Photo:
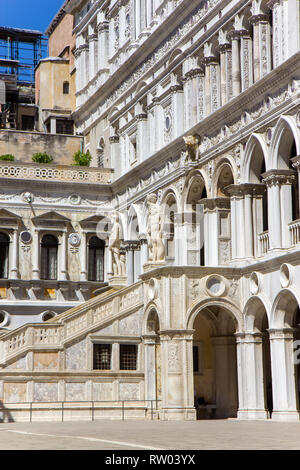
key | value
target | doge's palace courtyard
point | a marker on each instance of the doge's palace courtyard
(151, 436)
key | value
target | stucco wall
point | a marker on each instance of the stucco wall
(24, 144)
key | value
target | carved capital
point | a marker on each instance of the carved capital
(278, 177)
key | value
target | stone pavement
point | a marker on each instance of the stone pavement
(150, 435)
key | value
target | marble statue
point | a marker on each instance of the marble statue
(156, 246)
(114, 245)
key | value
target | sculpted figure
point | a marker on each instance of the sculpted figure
(154, 230)
(114, 245)
(123, 263)
(192, 143)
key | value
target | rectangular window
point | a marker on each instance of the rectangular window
(128, 356)
(102, 356)
(64, 127)
(195, 359)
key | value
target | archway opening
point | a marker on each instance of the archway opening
(225, 179)
(215, 364)
(169, 228)
(267, 372)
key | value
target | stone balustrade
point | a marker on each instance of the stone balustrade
(294, 228)
(263, 239)
(71, 323)
(62, 173)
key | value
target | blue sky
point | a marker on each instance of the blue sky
(28, 14)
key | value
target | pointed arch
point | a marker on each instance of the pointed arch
(222, 171)
(250, 166)
(285, 133)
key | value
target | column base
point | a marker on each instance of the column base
(153, 265)
(118, 281)
(285, 416)
(178, 414)
(253, 414)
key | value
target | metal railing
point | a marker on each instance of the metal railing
(92, 406)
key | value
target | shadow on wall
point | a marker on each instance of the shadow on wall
(5, 415)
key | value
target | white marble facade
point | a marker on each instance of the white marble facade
(198, 103)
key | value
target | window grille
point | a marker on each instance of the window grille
(102, 356)
(128, 356)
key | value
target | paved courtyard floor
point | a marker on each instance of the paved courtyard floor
(151, 435)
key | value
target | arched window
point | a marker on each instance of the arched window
(4, 244)
(49, 247)
(66, 88)
(96, 259)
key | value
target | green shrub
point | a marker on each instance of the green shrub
(42, 158)
(82, 159)
(7, 157)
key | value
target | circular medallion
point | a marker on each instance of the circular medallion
(74, 199)
(74, 239)
(215, 286)
(286, 275)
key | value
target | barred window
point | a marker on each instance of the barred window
(102, 356)
(128, 356)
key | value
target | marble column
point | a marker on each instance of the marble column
(193, 80)
(177, 110)
(226, 72)
(236, 63)
(251, 376)
(103, 38)
(36, 256)
(246, 60)
(114, 156)
(142, 137)
(63, 257)
(93, 46)
(261, 45)
(283, 375)
(279, 185)
(14, 272)
(83, 258)
(212, 84)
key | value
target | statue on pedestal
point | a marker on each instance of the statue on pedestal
(154, 230)
(114, 245)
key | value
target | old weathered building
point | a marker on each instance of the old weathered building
(194, 105)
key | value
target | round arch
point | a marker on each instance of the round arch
(195, 177)
(284, 308)
(152, 306)
(255, 309)
(226, 304)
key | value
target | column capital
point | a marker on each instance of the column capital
(281, 333)
(193, 73)
(215, 203)
(92, 37)
(296, 162)
(249, 337)
(246, 189)
(103, 26)
(174, 334)
(226, 46)
(114, 139)
(259, 18)
(278, 177)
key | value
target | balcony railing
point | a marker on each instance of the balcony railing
(263, 239)
(294, 228)
(33, 171)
